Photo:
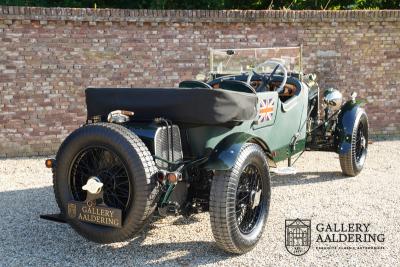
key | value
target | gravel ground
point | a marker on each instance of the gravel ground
(318, 192)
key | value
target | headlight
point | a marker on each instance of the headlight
(333, 98)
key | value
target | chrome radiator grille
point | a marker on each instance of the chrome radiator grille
(168, 145)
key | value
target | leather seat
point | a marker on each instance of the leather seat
(237, 86)
(194, 84)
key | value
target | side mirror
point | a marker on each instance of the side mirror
(312, 77)
(353, 96)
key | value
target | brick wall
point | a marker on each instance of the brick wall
(48, 57)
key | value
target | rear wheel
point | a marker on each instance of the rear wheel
(118, 159)
(353, 161)
(239, 201)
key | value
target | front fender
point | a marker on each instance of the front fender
(225, 153)
(348, 118)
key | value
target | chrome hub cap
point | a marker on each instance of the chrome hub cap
(93, 185)
(255, 198)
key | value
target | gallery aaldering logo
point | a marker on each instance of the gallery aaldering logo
(71, 210)
(337, 236)
(297, 236)
(353, 235)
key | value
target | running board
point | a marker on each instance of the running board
(284, 170)
(54, 217)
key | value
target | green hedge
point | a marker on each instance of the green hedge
(213, 4)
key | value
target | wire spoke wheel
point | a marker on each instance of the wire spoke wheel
(104, 164)
(239, 201)
(353, 160)
(360, 143)
(247, 211)
(116, 157)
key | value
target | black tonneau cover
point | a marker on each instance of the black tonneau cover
(180, 105)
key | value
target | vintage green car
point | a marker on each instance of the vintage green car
(208, 145)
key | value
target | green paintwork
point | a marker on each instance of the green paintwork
(165, 199)
(222, 143)
(274, 135)
(224, 155)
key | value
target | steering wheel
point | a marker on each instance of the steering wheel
(267, 78)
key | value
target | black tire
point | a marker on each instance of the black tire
(353, 161)
(138, 167)
(230, 232)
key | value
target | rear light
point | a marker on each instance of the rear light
(172, 177)
(49, 163)
(160, 176)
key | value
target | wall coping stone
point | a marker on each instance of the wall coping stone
(218, 16)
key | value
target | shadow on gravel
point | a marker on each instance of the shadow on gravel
(185, 220)
(28, 240)
(302, 178)
(194, 252)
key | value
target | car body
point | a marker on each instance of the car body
(191, 149)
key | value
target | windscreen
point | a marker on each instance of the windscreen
(237, 61)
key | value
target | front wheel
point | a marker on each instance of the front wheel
(239, 201)
(353, 161)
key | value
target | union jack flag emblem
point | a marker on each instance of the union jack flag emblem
(266, 110)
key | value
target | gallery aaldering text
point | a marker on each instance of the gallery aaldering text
(347, 232)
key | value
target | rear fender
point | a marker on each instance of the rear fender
(348, 118)
(224, 155)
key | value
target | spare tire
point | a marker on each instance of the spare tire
(124, 165)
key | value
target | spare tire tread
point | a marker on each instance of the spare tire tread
(141, 165)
